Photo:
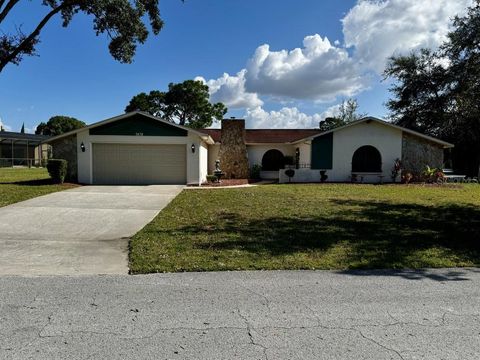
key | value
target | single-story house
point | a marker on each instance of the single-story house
(137, 148)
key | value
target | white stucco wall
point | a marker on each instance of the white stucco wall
(84, 158)
(256, 152)
(305, 153)
(386, 139)
(301, 175)
(195, 169)
(203, 162)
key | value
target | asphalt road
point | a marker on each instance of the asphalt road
(432, 314)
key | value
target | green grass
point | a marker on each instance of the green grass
(18, 184)
(313, 227)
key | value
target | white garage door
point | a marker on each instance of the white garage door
(139, 164)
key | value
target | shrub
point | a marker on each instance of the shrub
(407, 177)
(255, 171)
(57, 169)
(212, 178)
(432, 175)
(439, 176)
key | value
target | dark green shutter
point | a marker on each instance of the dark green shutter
(322, 152)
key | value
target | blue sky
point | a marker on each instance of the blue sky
(274, 86)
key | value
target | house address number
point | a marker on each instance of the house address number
(139, 134)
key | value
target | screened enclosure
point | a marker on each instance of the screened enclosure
(17, 149)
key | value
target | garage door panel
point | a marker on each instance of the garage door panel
(139, 164)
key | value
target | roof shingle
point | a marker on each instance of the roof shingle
(267, 136)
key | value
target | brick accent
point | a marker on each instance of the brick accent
(417, 153)
(233, 150)
(66, 148)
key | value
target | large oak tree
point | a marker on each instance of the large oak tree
(58, 125)
(121, 20)
(186, 103)
(439, 92)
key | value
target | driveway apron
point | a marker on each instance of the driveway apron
(78, 231)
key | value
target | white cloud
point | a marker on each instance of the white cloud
(319, 71)
(5, 126)
(230, 90)
(378, 29)
(332, 111)
(285, 118)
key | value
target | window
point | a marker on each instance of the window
(367, 159)
(273, 160)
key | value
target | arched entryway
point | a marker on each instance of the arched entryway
(273, 160)
(367, 159)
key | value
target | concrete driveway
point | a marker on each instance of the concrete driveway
(79, 231)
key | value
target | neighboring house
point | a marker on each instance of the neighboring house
(137, 148)
(20, 149)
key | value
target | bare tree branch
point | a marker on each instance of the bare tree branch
(7, 8)
(25, 43)
(122, 20)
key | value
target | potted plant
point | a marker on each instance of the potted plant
(323, 176)
(290, 173)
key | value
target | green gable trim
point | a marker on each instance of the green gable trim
(322, 152)
(138, 125)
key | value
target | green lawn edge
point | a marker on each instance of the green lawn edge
(20, 184)
(324, 226)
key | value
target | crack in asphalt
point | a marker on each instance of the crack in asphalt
(250, 327)
(49, 322)
(354, 328)
(398, 353)
(264, 297)
(253, 331)
(250, 335)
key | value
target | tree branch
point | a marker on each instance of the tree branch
(24, 44)
(7, 8)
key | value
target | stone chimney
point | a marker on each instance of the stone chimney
(233, 150)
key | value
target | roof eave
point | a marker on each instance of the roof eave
(446, 145)
(207, 138)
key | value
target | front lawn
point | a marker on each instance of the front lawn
(18, 184)
(337, 226)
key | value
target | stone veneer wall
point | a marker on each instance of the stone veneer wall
(66, 148)
(233, 150)
(417, 153)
